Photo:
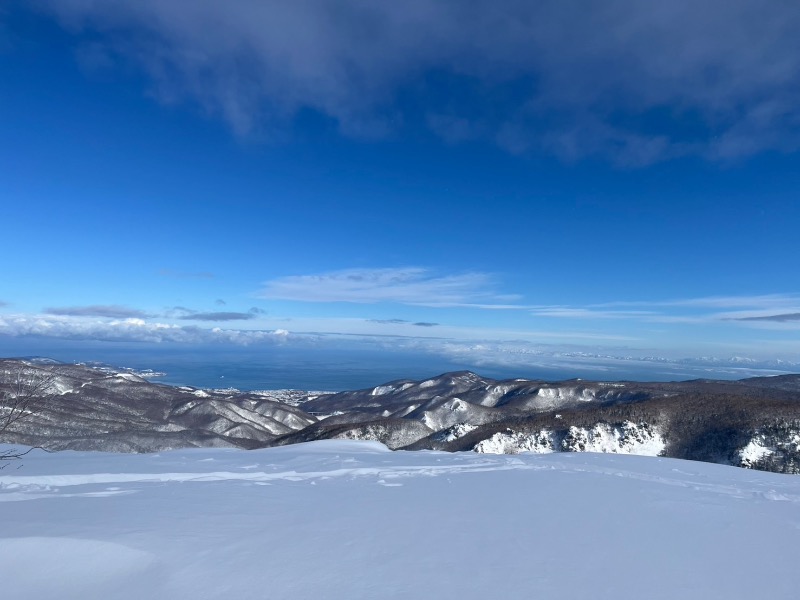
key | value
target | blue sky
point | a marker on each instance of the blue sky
(616, 178)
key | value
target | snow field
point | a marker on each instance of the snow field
(342, 519)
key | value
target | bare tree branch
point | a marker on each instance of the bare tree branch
(27, 391)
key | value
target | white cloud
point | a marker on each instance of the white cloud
(127, 330)
(523, 348)
(410, 285)
(635, 82)
(304, 330)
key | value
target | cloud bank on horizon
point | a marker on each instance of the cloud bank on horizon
(672, 326)
(631, 82)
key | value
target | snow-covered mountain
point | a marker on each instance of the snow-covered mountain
(351, 520)
(753, 423)
(97, 408)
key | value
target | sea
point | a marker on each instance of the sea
(325, 369)
(259, 369)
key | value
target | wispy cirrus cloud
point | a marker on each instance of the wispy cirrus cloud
(558, 77)
(568, 312)
(112, 311)
(767, 308)
(411, 285)
(758, 302)
(761, 301)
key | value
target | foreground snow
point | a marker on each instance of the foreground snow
(339, 519)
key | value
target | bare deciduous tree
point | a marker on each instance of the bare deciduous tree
(24, 392)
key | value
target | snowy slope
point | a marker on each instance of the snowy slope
(341, 519)
(625, 438)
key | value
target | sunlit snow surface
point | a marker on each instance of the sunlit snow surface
(340, 519)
